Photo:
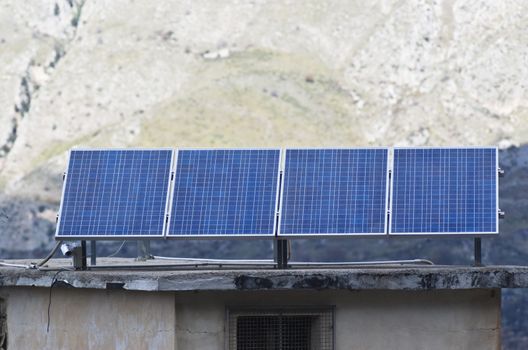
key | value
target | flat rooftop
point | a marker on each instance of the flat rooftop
(156, 275)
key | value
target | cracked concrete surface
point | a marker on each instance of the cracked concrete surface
(448, 319)
(178, 279)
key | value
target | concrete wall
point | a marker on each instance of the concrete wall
(90, 319)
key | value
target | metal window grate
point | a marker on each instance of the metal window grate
(281, 329)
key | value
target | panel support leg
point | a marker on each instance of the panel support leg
(478, 252)
(143, 250)
(281, 253)
(93, 253)
(79, 257)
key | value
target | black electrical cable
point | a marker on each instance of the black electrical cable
(50, 255)
(53, 281)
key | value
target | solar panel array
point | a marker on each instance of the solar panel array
(334, 192)
(233, 193)
(444, 190)
(225, 192)
(115, 193)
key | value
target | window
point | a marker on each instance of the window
(281, 329)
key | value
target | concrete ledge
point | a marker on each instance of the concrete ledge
(358, 278)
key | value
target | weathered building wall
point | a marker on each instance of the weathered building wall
(90, 319)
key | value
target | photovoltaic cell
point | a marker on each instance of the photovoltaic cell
(334, 192)
(115, 193)
(225, 193)
(444, 190)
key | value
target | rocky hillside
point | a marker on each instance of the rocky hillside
(256, 73)
(246, 73)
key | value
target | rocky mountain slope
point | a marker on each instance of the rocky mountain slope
(87, 73)
(247, 73)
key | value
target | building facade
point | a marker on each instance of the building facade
(361, 308)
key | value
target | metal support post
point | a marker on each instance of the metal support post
(143, 250)
(280, 245)
(478, 252)
(281, 253)
(84, 264)
(93, 253)
(79, 257)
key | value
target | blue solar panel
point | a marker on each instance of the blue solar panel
(225, 193)
(334, 192)
(444, 191)
(115, 193)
